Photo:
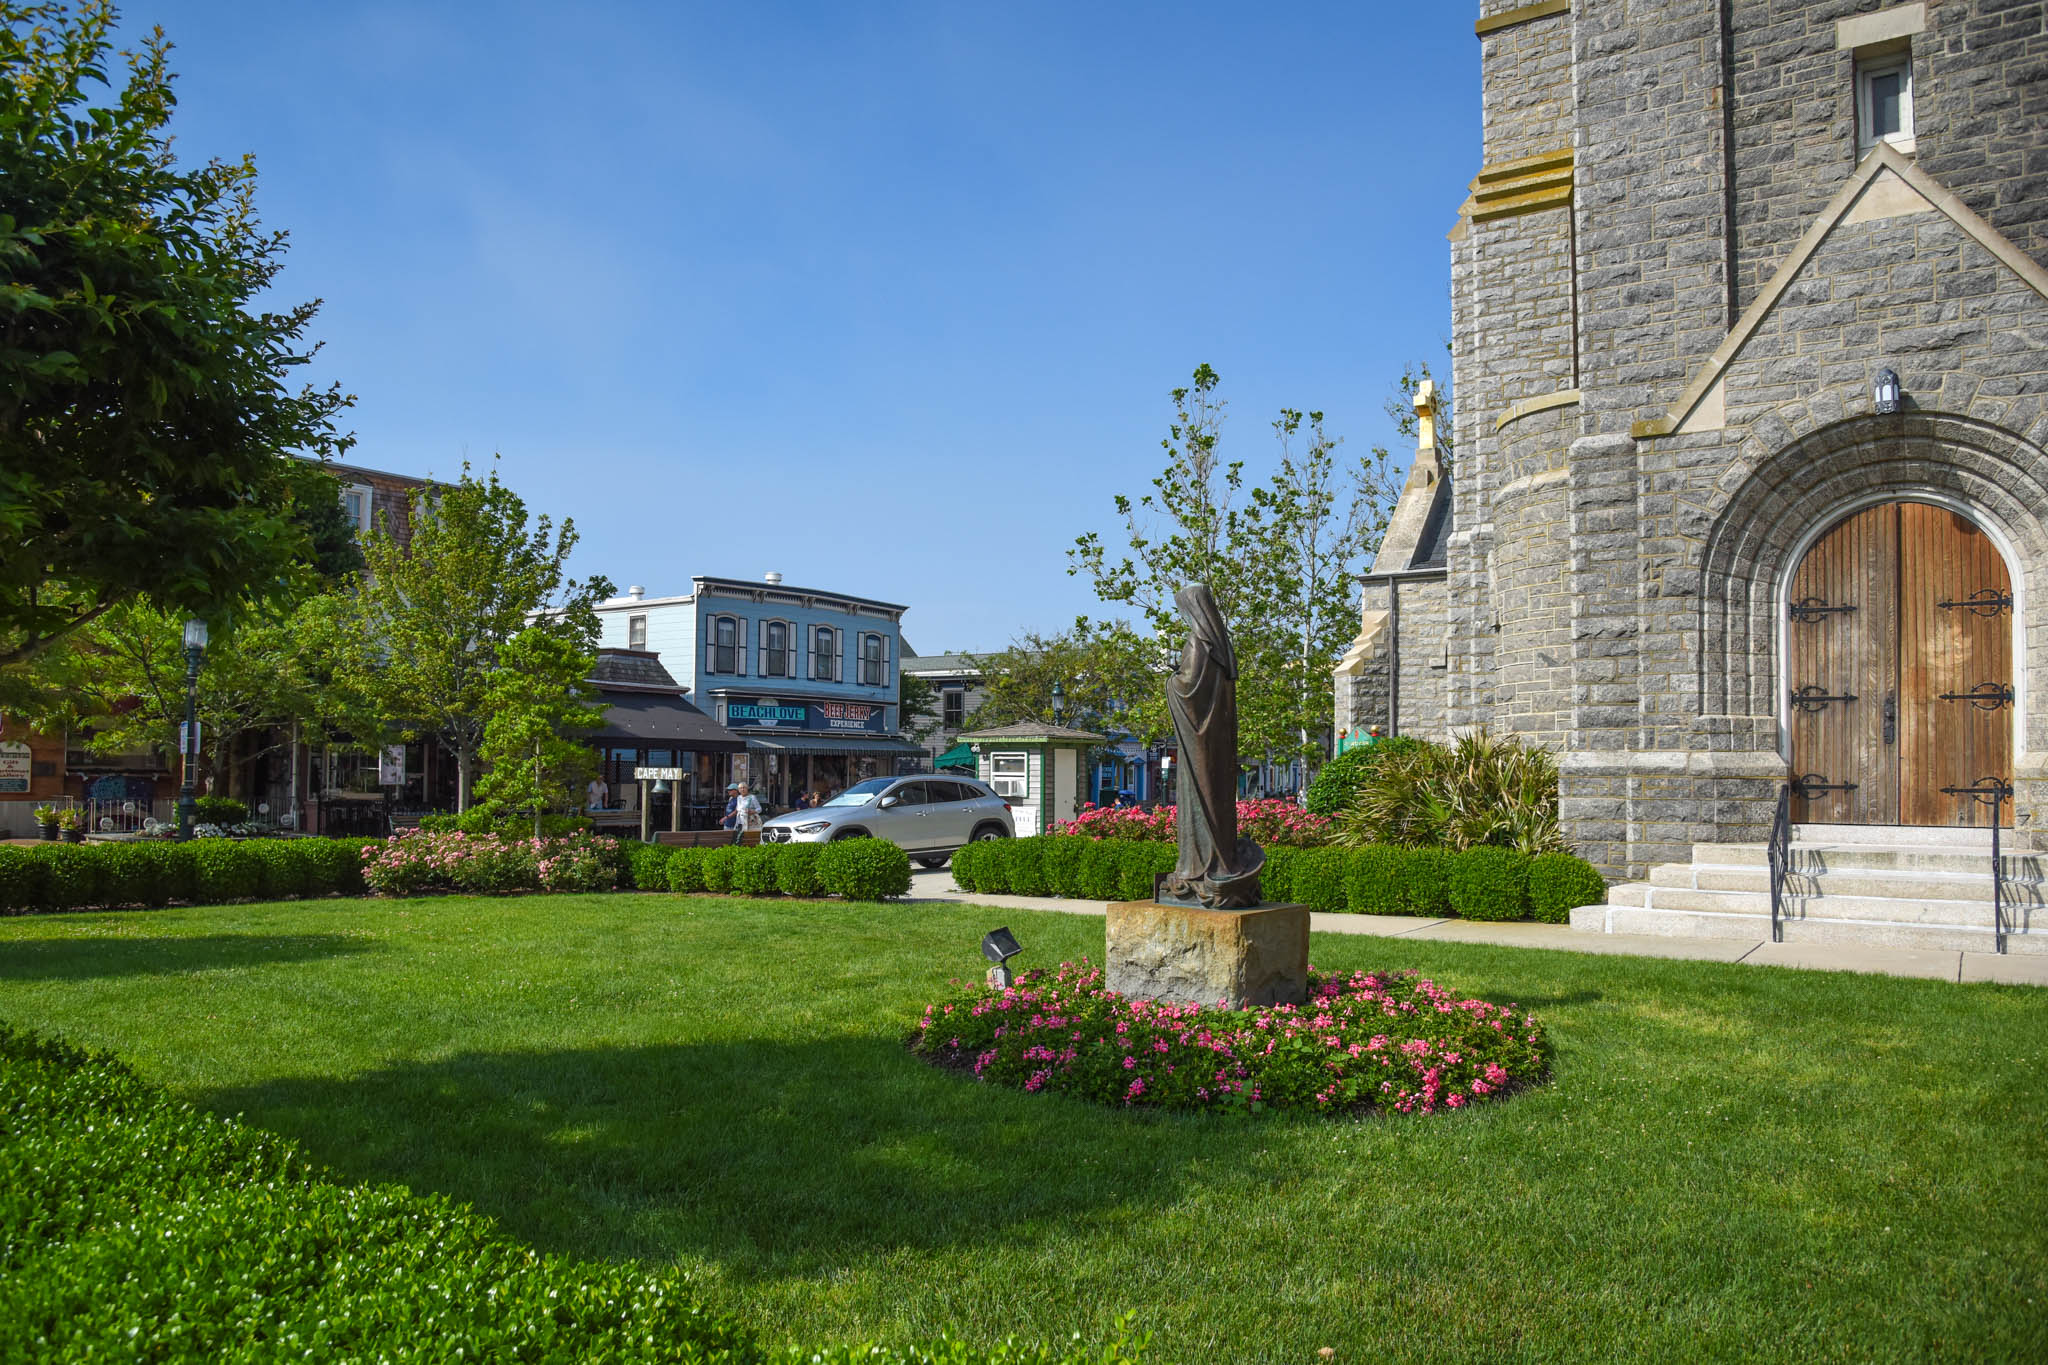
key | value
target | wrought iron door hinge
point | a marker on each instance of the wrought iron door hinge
(1985, 696)
(1891, 717)
(1808, 610)
(1992, 791)
(1808, 785)
(1983, 602)
(1814, 697)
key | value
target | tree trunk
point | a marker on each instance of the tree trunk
(465, 767)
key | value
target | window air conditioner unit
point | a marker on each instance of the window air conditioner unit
(1008, 786)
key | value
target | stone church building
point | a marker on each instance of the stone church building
(1747, 487)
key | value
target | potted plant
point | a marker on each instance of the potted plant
(46, 818)
(72, 821)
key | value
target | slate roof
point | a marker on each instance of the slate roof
(633, 669)
(644, 705)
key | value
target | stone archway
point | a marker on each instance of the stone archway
(1777, 504)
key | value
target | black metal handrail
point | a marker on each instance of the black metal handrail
(1994, 791)
(1998, 926)
(1779, 854)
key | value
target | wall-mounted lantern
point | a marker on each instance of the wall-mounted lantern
(1885, 392)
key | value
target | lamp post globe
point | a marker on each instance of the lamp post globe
(188, 738)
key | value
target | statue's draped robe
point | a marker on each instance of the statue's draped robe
(1215, 868)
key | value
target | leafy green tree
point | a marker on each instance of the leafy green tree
(917, 703)
(122, 681)
(1281, 558)
(1316, 522)
(540, 702)
(434, 616)
(1108, 674)
(145, 418)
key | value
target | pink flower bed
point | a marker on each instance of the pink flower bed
(1369, 1041)
(1270, 823)
(418, 861)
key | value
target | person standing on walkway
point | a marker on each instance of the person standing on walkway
(746, 812)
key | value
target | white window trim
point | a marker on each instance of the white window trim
(739, 646)
(369, 513)
(835, 655)
(880, 660)
(1870, 65)
(638, 620)
(789, 649)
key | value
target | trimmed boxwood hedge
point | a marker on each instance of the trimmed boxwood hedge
(864, 869)
(149, 873)
(796, 869)
(753, 871)
(1560, 883)
(647, 866)
(686, 869)
(1483, 883)
(1490, 884)
(122, 1209)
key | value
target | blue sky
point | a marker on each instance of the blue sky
(885, 297)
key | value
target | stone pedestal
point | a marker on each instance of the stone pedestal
(1191, 956)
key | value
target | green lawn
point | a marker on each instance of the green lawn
(1731, 1161)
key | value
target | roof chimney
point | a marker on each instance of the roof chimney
(773, 577)
(636, 592)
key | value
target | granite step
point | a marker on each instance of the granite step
(2023, 865)
(1849, 882)
(1741, 922)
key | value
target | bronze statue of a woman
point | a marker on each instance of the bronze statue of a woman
(1216, 869)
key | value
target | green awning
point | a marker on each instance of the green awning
(959, 756)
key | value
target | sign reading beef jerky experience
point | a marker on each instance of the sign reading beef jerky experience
(855, 717)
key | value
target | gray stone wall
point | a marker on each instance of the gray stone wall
(1652, 219)
(1525, 91)
(1980, 114)
(1363, 696)
(1617, 596)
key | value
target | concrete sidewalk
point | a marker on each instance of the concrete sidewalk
(2023, 970)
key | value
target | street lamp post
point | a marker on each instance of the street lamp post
(188, 739)
(1059, 703)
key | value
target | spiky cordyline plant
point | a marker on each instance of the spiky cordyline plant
(1480, 790)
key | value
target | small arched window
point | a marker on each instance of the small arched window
(825, 655)
(872, 670)
(775, 650)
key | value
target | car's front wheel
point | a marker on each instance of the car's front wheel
(849, 834)
(990, 832)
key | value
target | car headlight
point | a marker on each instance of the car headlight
(813, 827)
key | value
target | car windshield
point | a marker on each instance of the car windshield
(860, 793)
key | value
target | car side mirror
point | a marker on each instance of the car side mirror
(889, 801)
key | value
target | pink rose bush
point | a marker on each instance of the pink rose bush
(417, 862)
(1271, 823)
(1391, 1041)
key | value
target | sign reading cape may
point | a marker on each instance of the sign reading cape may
(767, 712)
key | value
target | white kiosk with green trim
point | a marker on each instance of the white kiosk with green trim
(1036, 767)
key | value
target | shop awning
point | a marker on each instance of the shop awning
(833, 744)
(960, 756)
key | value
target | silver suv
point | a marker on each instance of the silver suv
(928, 817)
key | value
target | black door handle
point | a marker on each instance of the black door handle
(1891, 717)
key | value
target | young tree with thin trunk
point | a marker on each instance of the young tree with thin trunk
(541, 704)
(434, 616)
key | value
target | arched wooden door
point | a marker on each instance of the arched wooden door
(1900, 680)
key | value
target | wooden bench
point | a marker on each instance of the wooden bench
(703, 838)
